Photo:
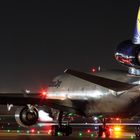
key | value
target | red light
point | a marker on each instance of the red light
(32, 130)
(110, 129)
(49, 131)
(88, 130)
(124, 60)
(44, 93)
(93, 70)
(117, 119)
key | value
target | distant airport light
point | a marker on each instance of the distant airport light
(32, 130)
(18, 131)
(80, 134)
(117, 119)
(93, 70)
(49, 131)
(27, 91)
(95, 118)
(58, 134)
(88, 130)
(92, 135)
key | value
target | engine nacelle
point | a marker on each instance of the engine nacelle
(26, 116)
(128, 54)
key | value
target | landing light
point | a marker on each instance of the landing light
(117, 128)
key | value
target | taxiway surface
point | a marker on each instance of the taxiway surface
(13, 136)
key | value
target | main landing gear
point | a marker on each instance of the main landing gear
(66, 130)
(103, 129)
(137, 132)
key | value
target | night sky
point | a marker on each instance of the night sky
(40, 39)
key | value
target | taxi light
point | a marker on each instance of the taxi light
(117, 128)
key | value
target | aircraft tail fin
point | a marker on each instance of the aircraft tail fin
(136, 37)
(104, 82)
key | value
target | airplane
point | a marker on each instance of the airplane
(106, 93)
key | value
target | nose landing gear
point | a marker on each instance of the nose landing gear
(137, 132)
(66, 130)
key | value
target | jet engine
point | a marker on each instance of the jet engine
(26, 116)
(128, 54)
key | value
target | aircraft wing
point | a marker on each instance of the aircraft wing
(22, 99)
(104, 82)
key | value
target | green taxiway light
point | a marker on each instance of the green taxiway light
(18, 131)
(8, 130)
(80, 134)
(92, 135)
(58, 133)
(70, 114)
(100, 116)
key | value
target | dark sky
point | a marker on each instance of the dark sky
(40, 39)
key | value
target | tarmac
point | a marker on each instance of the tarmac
(14, 136)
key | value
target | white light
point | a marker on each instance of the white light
(95, 118)
(43, 116)
(27, 91)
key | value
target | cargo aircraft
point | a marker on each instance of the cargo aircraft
(112, 93)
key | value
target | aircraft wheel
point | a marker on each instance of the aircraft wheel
(107, 132)
(55, 130)
(100, 133)
(67, 130)
(137, 132)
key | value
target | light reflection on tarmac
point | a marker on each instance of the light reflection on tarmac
(15, 136)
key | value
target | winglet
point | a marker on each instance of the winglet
(104, 82)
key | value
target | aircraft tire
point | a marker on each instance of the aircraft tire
(100, 133)
(137, 132)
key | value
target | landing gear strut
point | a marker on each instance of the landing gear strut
(137, 131)
(103, 129)
(66, 130)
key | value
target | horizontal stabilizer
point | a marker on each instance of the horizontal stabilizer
(104, 82)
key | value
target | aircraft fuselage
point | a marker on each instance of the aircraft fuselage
(94, 99)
